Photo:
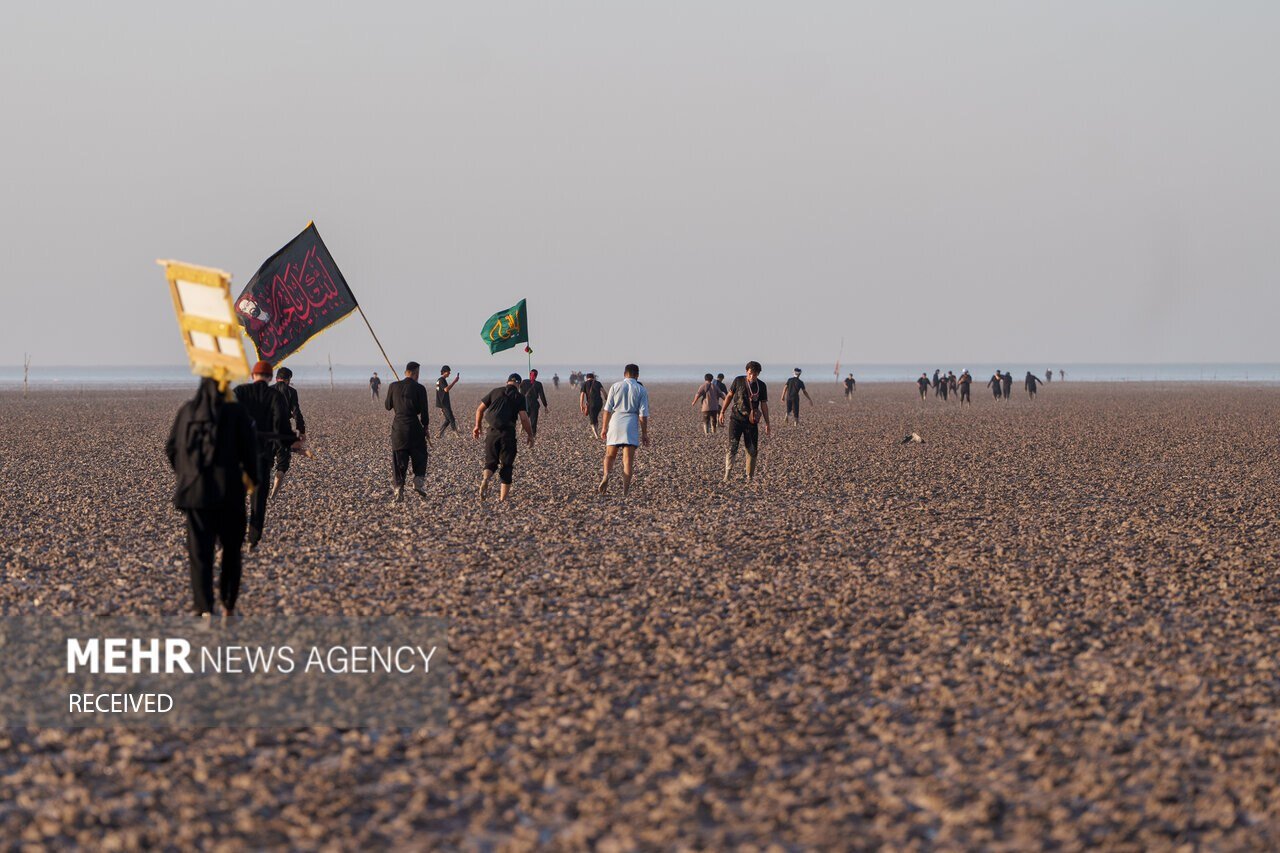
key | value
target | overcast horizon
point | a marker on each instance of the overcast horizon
(672, 184)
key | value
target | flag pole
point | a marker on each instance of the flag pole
(378, 342)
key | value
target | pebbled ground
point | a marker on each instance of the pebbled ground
(1050, 625)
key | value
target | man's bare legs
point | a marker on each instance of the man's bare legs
(611, 453)
(485, 480)
(628, 466)
(628, 462)
(730, 455)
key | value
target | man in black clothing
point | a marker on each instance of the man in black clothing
(724, 389)
(443, 401)
(1006, 385)
(555, 380)
(791, 396)
(591, 401)
(923, 384)
(994, 384)
(849, 384)
(501, 408)
(1031, 383)
(408, 399)
(374, 384)
(535, 398)
(213, 451)
(747, 403)
(269, 411)
(964, 382)
(284, 384)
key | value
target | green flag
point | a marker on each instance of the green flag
(506, 328)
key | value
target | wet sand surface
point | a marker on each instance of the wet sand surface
(1052, 624)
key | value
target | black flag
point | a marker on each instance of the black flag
(297, 293)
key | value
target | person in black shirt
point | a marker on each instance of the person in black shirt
(443, 402)
(994, 384)
(747, 403)
(724, 389)
(555, 381)
(213, 450)
(791, 396)
(284, 384)
(535, 398)
(849, 384)
(963, 383)
(1006, 385)
(923, 384)
(408, 399)
(374, 384)
(591, 401)
(501, 408)
(1031, 383)
(269, 411)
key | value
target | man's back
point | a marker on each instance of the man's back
(209, 456)
(503, 406)
(291, 401)
(628, 397)
(268, 409)
(407, 398)
(711, 396)
(595, 393)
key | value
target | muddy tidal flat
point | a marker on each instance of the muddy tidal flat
(1052, 624)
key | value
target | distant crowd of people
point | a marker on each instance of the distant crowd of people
(950, 386)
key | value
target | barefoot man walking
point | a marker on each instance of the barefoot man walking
(626, 425)
(502, 408)
(747, 405)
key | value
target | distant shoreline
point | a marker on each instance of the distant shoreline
(313, 375)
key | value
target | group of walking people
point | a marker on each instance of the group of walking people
(949, 385)
(516, 404)
(227, 447)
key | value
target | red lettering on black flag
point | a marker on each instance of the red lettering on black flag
(297, 293)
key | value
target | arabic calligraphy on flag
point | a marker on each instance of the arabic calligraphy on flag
(297, 293)
(507, 328)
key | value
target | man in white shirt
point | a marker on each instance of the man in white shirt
(626, 425)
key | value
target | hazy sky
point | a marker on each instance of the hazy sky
(685, 182)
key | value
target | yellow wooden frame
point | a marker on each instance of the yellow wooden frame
(220, 366)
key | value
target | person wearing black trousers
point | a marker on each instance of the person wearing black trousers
(269, 411)
(443, 401)
(535, 398)
(213, 450)
(408, 399)
(284, 384)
